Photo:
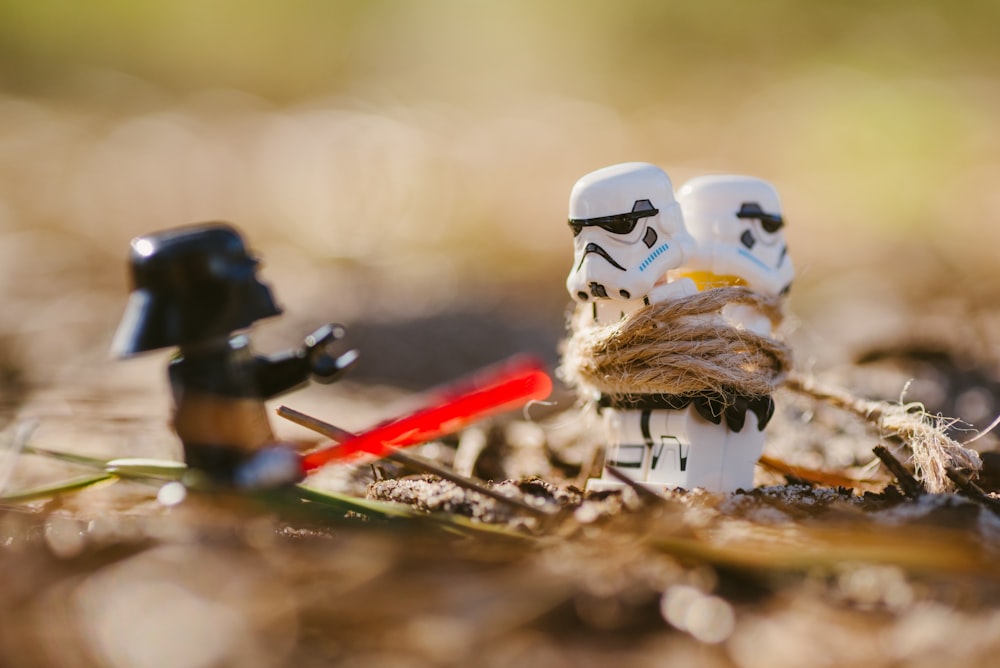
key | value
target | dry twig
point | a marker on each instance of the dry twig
(909, 485)
(419, 463)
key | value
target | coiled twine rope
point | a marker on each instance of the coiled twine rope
(685, 347)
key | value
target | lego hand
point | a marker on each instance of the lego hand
(325, 367)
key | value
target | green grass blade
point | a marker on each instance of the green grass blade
(457, 524)
(82, 460)
(49, 491)
(132, 467)
(123, 467)
(366, 507)
(467, 526)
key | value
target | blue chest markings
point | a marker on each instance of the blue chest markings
(657, 252)
(753, 259)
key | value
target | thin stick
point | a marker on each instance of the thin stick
(589, 465)
(910, 486)
(317, 425)
(813, 476)
(340, 435)
(643, 492)
(972, 490)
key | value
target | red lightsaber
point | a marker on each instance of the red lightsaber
(493, 390)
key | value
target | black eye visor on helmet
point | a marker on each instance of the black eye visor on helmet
(621, 223)
(771, 222)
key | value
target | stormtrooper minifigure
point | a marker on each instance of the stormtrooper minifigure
(632, 248)
(628, 236)
(738, 225)
(194, 287)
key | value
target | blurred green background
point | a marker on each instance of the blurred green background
(403, 167)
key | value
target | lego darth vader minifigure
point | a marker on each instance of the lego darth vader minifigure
(196, 288)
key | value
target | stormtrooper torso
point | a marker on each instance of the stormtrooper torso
(610, 311)
(666, 441)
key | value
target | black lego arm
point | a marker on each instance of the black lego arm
(284, 371)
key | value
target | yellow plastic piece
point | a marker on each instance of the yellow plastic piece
(706, 280)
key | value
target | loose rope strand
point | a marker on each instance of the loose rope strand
(934, 452)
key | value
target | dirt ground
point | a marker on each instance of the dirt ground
(788, 574)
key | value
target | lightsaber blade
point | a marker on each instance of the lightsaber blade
(494, 390)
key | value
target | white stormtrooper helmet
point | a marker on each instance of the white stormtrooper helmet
(737, 223)
(628, 232)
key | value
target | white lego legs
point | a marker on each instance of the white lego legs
(678, 448)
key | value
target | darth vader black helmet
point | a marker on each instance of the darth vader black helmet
(190, 284)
